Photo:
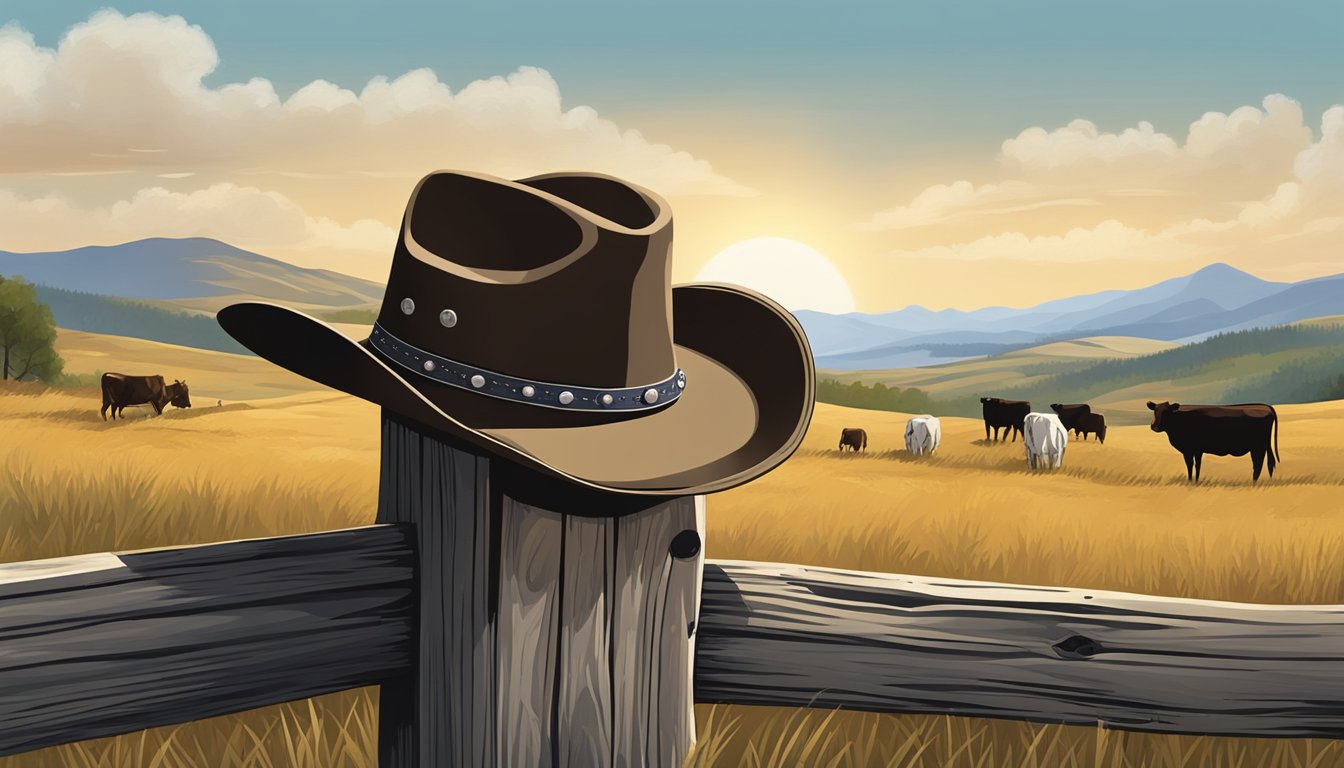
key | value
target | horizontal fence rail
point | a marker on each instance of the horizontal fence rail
(790, 635)
(101, 644)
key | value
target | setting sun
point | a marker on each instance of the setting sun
(796, 275)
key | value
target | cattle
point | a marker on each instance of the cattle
(1045, 439)
(120, 390)
(1091, 424)
(923, 434)
(854, 439)
(1222, 430)
(1004, 414)
(1070, 414)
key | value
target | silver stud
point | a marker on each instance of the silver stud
(429, 365)
(607, 399)
(407, 306)
(566, 397)
(529, 391)
(478, 381)
(650, 395)
(448, 317)
(681, 381)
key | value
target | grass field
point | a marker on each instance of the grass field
(1118, 516)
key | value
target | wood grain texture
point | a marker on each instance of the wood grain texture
(537, 625)
(791, 635)
(96, 645)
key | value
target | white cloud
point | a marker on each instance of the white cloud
(943, 202)
(118, 82)
(1251, 146)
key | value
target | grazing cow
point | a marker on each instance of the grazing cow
(1045, 438)
(120, 390)
(923, 434)
(1091, 424)
(1004, 414)
(1069, 415)
(854, 439)
(1223, 430)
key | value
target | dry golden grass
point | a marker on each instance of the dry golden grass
(1118, 516)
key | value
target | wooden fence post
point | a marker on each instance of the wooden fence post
(555, 627)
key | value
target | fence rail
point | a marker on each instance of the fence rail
(102, 644)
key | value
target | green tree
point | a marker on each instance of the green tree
(27, 334)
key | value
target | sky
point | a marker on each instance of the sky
(946, 154)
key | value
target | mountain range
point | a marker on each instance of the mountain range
(1215, 299)
(195, 274)
(118, 288)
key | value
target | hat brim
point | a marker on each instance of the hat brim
(748, 400)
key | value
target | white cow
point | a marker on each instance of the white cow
(1046, 438)
(923, 434)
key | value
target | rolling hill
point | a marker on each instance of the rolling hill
(1215, 299)
(1301, 362)
(197, 274)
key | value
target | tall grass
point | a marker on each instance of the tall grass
(1118, 516)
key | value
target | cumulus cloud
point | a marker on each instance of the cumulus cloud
(243, 216)
(1248, 146)
(117, 83)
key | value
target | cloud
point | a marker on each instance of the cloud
(1248, 146)
(943, 202)
(1110, 240)
(118, 83)
(244, 216)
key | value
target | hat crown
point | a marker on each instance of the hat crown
(561, 278)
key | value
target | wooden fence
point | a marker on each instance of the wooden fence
(505, 633)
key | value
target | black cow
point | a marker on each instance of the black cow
(120, 390)
(1092, 424)
(854, 439)
(1004, 414)
(1069, 414)
(1223, 430)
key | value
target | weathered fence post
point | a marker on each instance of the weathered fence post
(555, 627)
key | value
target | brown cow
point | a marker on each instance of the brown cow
(1069, 414)
(1222, 430)
(1007, 415)
(120, 390)
(1092, 424)
(855, 439)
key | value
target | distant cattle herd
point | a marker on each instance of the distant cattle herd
(1193, 430)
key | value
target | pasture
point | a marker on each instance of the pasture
(1119, 516)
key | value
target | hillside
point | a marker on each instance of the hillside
(211, 375)
(1215, 299)
(1020, 367)
(136, 318)
(191, 273)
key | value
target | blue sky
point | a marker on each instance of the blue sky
(958, 73)
(950, 154)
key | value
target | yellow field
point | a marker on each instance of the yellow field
(1118, 516)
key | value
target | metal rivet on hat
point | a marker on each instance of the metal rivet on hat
(448, 317)
(407, 306)
(478, 381)
(650, 396)
(607, 399)
(681, 381)
(529, 391)
(566, 397)
(429, 365)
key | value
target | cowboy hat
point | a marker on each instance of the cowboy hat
(534, 319)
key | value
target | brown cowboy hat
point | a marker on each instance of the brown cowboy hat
(534, 319)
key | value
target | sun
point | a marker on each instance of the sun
(792, 273)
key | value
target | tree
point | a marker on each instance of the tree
(27, 334)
